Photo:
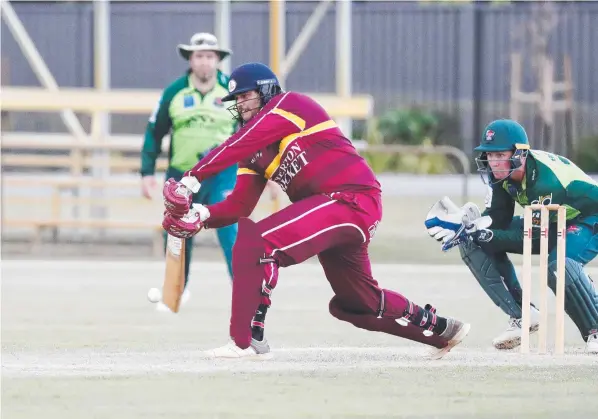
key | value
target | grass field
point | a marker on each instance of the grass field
(80, 339)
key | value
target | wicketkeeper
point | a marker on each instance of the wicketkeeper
(517, 174)
(336, 208)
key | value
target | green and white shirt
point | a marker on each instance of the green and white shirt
(197, 123)
(549, 179)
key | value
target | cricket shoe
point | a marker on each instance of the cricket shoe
(592, 344)
(257, 350)
(511, 338)
(163, 308)
(454, 333)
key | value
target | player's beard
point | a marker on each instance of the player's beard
(205, 77)
(249, 114)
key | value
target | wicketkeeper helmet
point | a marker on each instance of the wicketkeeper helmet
(503, 135)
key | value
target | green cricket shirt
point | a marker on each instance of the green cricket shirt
(197, 123)
(549, 179)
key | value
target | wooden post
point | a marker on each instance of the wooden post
(55, 211)
(542, 134)
(5, 74)
(515, 85)
(547, 104)
(570, 137)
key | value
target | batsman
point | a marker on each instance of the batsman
(515, 173)
(336, 208)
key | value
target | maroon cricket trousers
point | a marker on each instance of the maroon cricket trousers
(337, 228)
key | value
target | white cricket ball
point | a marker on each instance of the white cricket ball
(154, 295)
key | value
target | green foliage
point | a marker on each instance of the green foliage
(407, 126)
(586, 154)
(412, 126)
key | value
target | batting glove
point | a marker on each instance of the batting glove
(188, 225)
(178, 195)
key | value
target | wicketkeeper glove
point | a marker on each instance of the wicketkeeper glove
(451, 225)
(477, 231)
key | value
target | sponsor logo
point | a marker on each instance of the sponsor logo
(267, 81)
(188, 101)
(573, 229)
(294, 160)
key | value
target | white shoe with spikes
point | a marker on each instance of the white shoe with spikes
(511, 338)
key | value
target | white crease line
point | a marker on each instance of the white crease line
(314, 359)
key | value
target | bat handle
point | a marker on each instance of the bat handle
(174, 245)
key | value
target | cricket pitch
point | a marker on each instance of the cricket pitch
(80, 339)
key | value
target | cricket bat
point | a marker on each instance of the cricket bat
(174, 275)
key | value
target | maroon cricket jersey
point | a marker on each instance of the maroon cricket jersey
(293, 142)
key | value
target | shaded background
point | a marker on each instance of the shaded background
(438, 71)
(453, 57)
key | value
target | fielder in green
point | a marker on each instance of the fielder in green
(517, 174)
(192, 110)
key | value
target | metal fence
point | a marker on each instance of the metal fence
(452, 57)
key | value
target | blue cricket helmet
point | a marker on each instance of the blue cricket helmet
(253, 76)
